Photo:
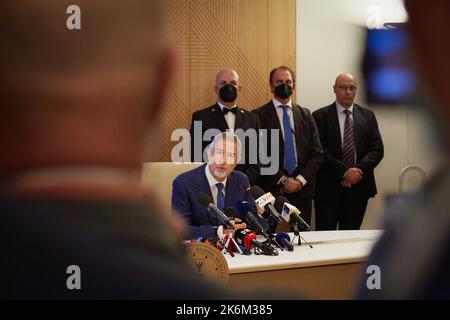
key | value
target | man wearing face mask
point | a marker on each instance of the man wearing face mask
(300, 153)
(225, 115)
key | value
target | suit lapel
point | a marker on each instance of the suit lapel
(230, 193)
(335, 129)
(272, 114)
(358, 122)
(299, 123)
(201, 185)
(239, 119)
(218, 117)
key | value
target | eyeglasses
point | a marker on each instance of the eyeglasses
(345, 88)
(230, 157)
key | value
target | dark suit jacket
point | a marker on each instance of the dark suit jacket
(213, 118)
(309, 150)
(184, 199)
(123, 250)
(368, 143)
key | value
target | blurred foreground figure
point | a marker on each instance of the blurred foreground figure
(78, 109)
(414, 253)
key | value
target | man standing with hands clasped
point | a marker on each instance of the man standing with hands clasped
(299, 152)
(353, 148)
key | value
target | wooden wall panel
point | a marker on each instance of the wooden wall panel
(251, 36)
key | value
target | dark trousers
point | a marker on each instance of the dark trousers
(343, 209)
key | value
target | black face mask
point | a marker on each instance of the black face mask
(228, 93)
(283, 91)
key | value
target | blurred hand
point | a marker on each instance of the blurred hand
(293, 185)
(260, 210)
(346, 184)
(237, 224)
(353, 175)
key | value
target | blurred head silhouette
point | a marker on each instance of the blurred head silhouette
(84, 97)
(429, 30)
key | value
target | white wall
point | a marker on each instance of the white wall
(330, 36)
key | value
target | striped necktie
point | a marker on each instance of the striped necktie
(348, 149)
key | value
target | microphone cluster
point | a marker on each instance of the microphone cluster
(245, 240)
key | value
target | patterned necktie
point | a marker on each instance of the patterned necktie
(220, 196)
(289, 149)
(348, 149)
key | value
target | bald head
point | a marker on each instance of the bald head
(223, 78)
(227, 75)
(345, 89)
(344, 77)
(80, 97)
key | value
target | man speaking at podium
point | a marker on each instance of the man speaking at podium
(217, 179)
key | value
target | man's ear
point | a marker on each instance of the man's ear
(216, 89)
(163, 80)
(209, 154)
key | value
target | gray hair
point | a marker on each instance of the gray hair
(227, 136)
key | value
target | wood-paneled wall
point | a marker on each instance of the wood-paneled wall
(251, 36)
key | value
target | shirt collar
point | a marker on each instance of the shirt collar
(341, 109)
(211, 180)
(277, 103)
(222, 106)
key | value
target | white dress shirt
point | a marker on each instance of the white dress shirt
(230, 117)
(212, 185)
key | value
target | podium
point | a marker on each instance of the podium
(329, 270)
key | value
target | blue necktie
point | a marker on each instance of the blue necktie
(289, 150)
(220, 196)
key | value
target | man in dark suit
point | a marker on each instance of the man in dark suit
(226, 115)
(220, 181)
(353, 148)
(75, 222)
(300, 153)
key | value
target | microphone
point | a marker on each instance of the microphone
(253, 222)
(265, 200)
(244, 211)
(247, 239)
(290, 213)
(229, 212)
(207, 203)
(284, 241)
